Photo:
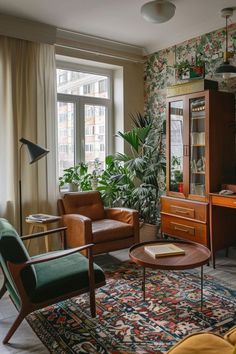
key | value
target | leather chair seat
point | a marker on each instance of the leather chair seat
(107, 229)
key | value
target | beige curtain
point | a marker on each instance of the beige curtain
(27, 109)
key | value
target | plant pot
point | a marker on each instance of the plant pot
(73, 187)
(180, 187)
(148, 232)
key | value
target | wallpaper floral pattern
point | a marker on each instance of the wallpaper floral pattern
(160, 71)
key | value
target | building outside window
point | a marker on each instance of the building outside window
(83, 116)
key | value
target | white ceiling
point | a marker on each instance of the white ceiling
(120, 20)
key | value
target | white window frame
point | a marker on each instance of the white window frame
(81, 101)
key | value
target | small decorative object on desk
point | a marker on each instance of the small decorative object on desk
(42, 218)
(164, 250)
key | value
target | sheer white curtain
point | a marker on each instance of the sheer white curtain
(27, 109)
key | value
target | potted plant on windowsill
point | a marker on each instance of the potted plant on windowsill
(77, 178)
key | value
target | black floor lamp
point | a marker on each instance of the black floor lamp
(36, 152)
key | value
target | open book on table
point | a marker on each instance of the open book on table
(163, 250)
(42, 217)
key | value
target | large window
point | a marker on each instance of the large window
(83, 116)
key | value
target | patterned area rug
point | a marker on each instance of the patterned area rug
(127, 324)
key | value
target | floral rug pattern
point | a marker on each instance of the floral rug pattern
(127, 324)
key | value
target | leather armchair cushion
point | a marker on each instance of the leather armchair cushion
(110, 230)
(122, 214)
(88, 204)
(62, 276)
(202, 343)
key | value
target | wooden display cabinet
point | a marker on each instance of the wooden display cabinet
(200, 157)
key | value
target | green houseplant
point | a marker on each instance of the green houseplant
(77, 178)
(146, 166)
(115, 183)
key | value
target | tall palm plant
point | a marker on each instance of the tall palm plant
(146, 164)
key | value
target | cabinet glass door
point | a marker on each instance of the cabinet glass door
(176, 146)
(197, 146)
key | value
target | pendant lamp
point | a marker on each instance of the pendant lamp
(226, 70)
(158, 11)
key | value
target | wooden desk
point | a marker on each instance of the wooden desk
(222, 222)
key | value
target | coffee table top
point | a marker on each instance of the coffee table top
(195, 255)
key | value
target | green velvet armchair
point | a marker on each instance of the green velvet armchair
(37, 282)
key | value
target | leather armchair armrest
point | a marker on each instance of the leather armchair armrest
(129, 216)
(79, 230)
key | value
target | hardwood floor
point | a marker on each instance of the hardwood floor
(25, 341)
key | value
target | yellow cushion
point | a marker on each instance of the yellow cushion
(202, 343)
(230, 336)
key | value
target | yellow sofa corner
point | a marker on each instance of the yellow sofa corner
(206, 343)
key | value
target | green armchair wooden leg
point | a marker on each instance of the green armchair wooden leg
(14, 327)
(3, 290)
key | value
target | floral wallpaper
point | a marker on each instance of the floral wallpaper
(160, 69)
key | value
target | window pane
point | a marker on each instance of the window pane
(66, 143)
(94, 134)
(82, 84)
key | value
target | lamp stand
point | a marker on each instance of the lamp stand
(20, 201)
(20, 193)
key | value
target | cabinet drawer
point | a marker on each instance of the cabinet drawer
(186, 229)
(183, 208)
(229, 201)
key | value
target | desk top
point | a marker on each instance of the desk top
(230, 187)
(228, 201)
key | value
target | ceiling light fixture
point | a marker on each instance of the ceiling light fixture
(226, 70)
(158, 11)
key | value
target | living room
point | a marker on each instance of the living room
(64, 65)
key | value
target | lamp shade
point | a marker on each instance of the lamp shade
(35, 151)
(158, 11)
(226, 70)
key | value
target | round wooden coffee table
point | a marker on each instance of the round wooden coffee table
(196, 255)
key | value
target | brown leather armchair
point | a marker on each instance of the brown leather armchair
(87, 221)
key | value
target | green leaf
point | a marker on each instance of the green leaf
(130, 137)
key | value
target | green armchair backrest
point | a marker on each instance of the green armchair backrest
(12, 249)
